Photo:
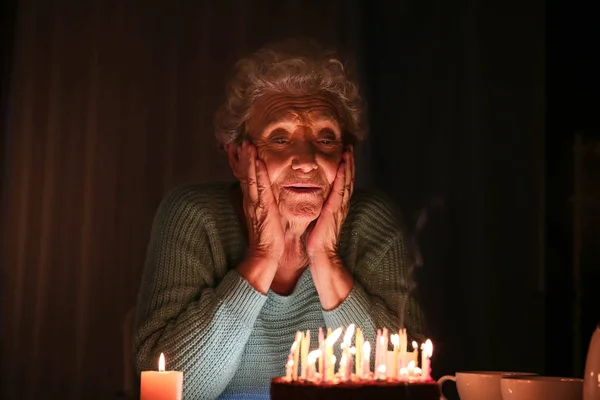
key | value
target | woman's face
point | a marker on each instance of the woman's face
(299, 139)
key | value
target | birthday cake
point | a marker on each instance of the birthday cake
(281, 389)
(312, 375)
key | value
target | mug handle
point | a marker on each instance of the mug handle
(441, 381)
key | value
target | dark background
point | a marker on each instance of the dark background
(474, 109)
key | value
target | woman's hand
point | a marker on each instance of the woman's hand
(332, 281)
(266, 241)
(323, 236)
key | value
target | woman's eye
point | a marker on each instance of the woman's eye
(279, 140)
(326, 141)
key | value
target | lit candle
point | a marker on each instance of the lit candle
(403, 347)
(345, 346)
(359, 345)
(322, 358)
(343, 366)
(304, 354)
(378, 349)
(403, 373)
(292, 361)
(396, 343)
(313, 356)
(332, 365)
(380, 372)
(329, 342)
(366, 368)
(289, 366)
(415, 352)
(411, 369)
(296, 350)
(426, 360)
(161, 385)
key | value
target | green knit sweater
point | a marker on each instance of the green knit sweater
(230, 340)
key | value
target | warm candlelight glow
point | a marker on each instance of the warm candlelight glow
(428, 348)
(399, 364)
(366, 360)
(161, 384)
(348, 336)
(331, 339)
(313, 356)
(396, 342)
(161, 363)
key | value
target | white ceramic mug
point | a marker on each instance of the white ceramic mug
(477, 385)
(541, 388)
(591, 377)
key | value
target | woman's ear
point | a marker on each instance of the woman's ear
(234, 159)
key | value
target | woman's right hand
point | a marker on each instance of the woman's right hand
(266, 240)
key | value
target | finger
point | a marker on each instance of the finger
(242, 169)
(265, 195)
(347, 178)
(251, 168)
(336, 196)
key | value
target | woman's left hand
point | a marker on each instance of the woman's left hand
(323, 235)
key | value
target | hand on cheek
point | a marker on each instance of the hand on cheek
(265, 233)
(323, 235)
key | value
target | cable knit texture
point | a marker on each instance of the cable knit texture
(229, 339)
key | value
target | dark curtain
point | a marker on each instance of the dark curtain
(457, 110)
(110, 105)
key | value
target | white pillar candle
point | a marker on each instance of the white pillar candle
(359, 345)
(394, 370)
(366, 369)
(313, 357)
(161, 385)
(426, 360)
(296, 353)
(403, 347)
(380, 368)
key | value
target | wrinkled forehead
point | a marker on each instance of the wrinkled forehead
(304, 109)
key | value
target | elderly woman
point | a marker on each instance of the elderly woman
(234, 270)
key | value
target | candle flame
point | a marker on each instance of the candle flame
(343, 360)
(293, 347)
(395, 339)
(366, 349)
(161, 363)
(403, 371)
(381, 339)
(352, 350)
(348, 335)
(411, 365)
(381, 369)
(417, 371)
(428, 348)
(415, 345)
(313, 355)
(331, 339)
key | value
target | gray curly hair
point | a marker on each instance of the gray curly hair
(296, 67)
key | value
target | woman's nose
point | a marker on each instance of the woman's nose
(304, 157)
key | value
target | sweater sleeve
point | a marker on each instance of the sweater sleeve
(201, 325)
(383, 295)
